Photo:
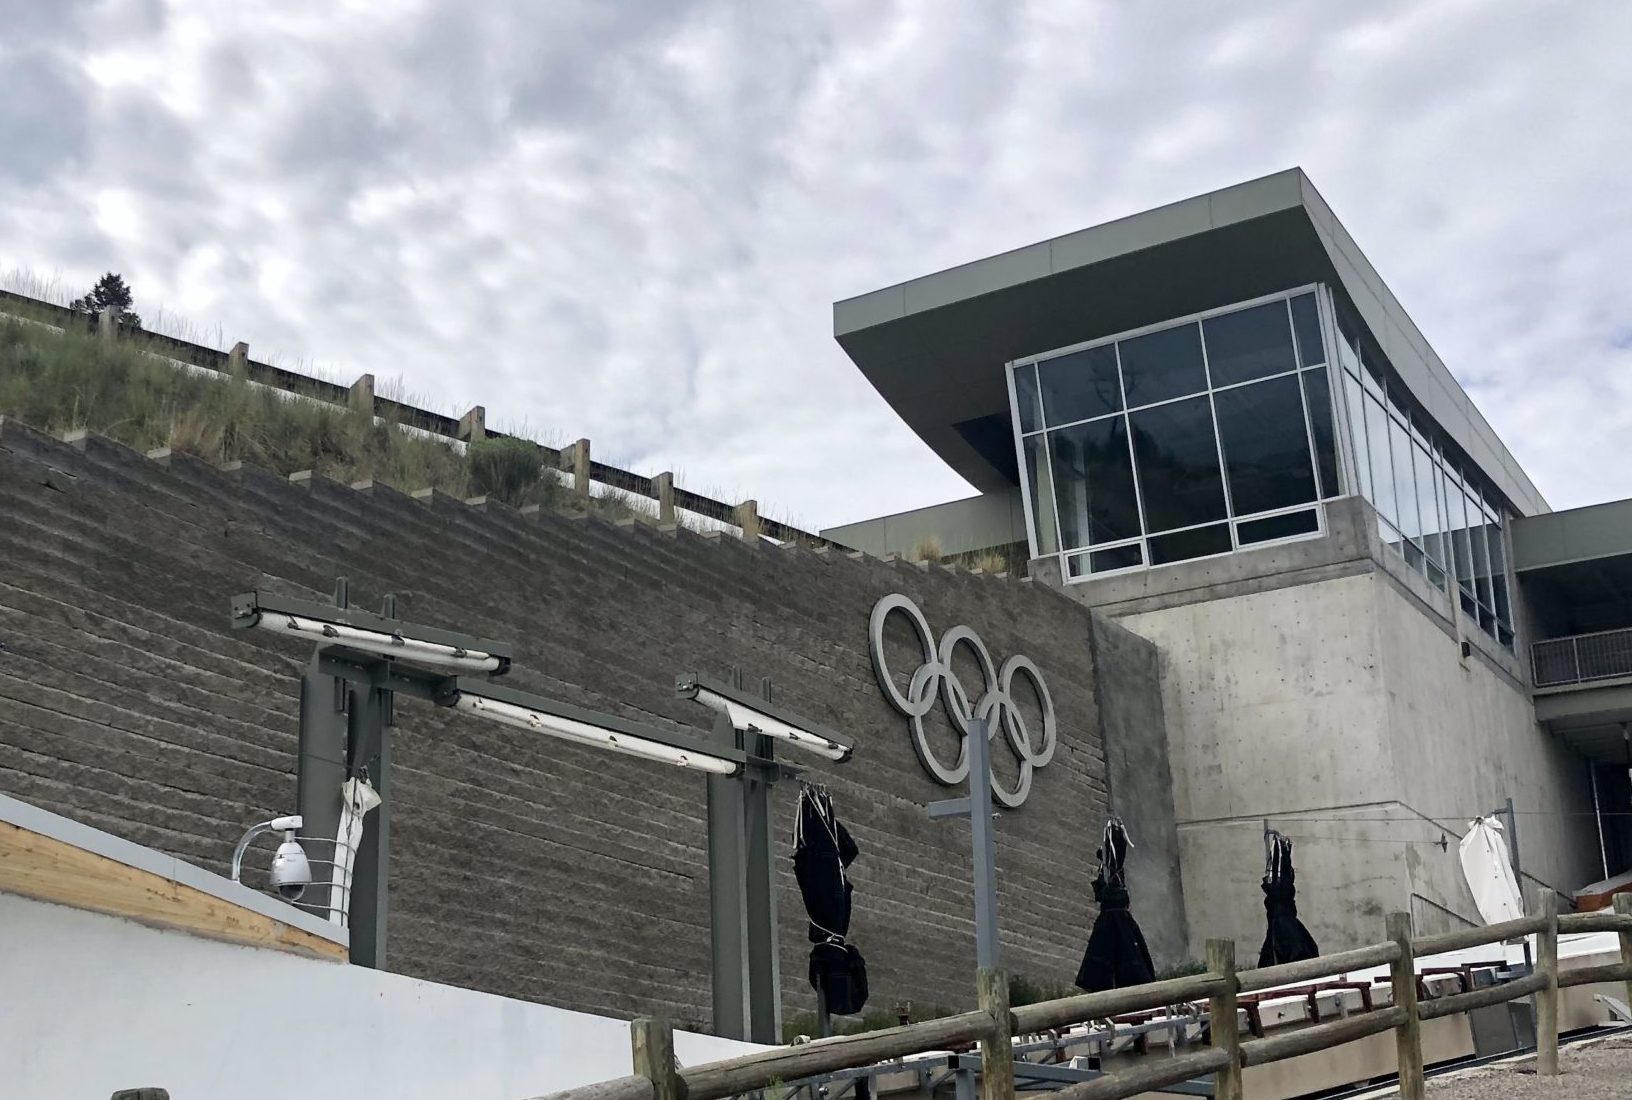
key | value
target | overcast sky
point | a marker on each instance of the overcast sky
(629, 220)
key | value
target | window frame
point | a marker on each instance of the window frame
(1063, 554)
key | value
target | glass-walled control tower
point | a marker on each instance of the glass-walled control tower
(1213, 433)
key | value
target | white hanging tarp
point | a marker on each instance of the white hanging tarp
(357, 798)
(1489, 872)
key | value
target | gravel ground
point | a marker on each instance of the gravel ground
(1598, 1071)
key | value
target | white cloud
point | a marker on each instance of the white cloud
(629, 221)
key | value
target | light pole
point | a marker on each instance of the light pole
(982, 837)
(362, 662)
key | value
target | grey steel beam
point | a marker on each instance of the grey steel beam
(248, 607)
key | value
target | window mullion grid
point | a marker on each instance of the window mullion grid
(1133, 458)
(1218, 440)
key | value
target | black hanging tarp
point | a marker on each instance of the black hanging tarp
(1286, 939)
(822, 850)
(1116, 955)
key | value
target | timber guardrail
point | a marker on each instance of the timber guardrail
(573, 460)
(994, 1023)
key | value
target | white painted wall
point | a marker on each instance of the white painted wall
(90, 1004)
(1342, 711)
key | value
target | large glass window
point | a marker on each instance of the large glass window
(1266, 445)
(1093, 483)
(1405, 489)
(1135, 455)
(1025, 397)
(1306, 320)
(1382, 471)
(1355, 405)
(1081, 385)
(1249, 343)
(1317, 392)
(1215, 434)
(1177, 456)
(1041, 480)
(1429, 506)
(1162, 365)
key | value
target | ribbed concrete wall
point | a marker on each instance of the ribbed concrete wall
(522, 865)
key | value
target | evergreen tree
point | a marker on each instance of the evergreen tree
(110, 292)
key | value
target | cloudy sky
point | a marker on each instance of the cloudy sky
(628, 219)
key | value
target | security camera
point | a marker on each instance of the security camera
(291, 871)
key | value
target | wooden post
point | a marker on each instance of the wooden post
(1408, 1036)
(473, 425)
(1225, 1021)
(580, 467)
(361, 395)
(663, 490)
(1623, 906)
(652, 1042)
(997, 1050)
(748, 519)
(1547, 996)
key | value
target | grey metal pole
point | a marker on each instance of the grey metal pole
(764, 967)
(983, 837)
(320, 768)
(371, 753)
(728, 899)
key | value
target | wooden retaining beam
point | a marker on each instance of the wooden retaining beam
(757, 1071)
(1481, 998)
(1048, 1015)
(1132, 1082)
(1324, 966)
(995, 1023)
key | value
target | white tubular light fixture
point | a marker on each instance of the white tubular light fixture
(434, 654)
(584, 733)
(746, 717)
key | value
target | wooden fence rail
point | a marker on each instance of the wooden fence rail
(574, 458)
(994, 1024)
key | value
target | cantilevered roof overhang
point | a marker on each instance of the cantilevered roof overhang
(935, 347)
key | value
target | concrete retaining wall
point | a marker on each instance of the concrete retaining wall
(522, 866)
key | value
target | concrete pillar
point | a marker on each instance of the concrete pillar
(748, 519)
(107, 324)
(361, 395)
(473, 425)
(663, 490)
(238, 360)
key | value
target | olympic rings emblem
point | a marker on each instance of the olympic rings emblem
(935, 677)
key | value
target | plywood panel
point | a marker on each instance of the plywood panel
(47, 869)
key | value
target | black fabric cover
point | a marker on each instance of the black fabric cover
(1286, 939)
(1116, 954)
(822, 851)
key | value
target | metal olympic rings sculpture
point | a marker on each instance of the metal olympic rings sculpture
(996, 702)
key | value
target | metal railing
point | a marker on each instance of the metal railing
(1582, 658)
(994, 1024)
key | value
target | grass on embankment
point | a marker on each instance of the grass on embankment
(60, 382)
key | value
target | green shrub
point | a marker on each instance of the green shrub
(506, 469)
